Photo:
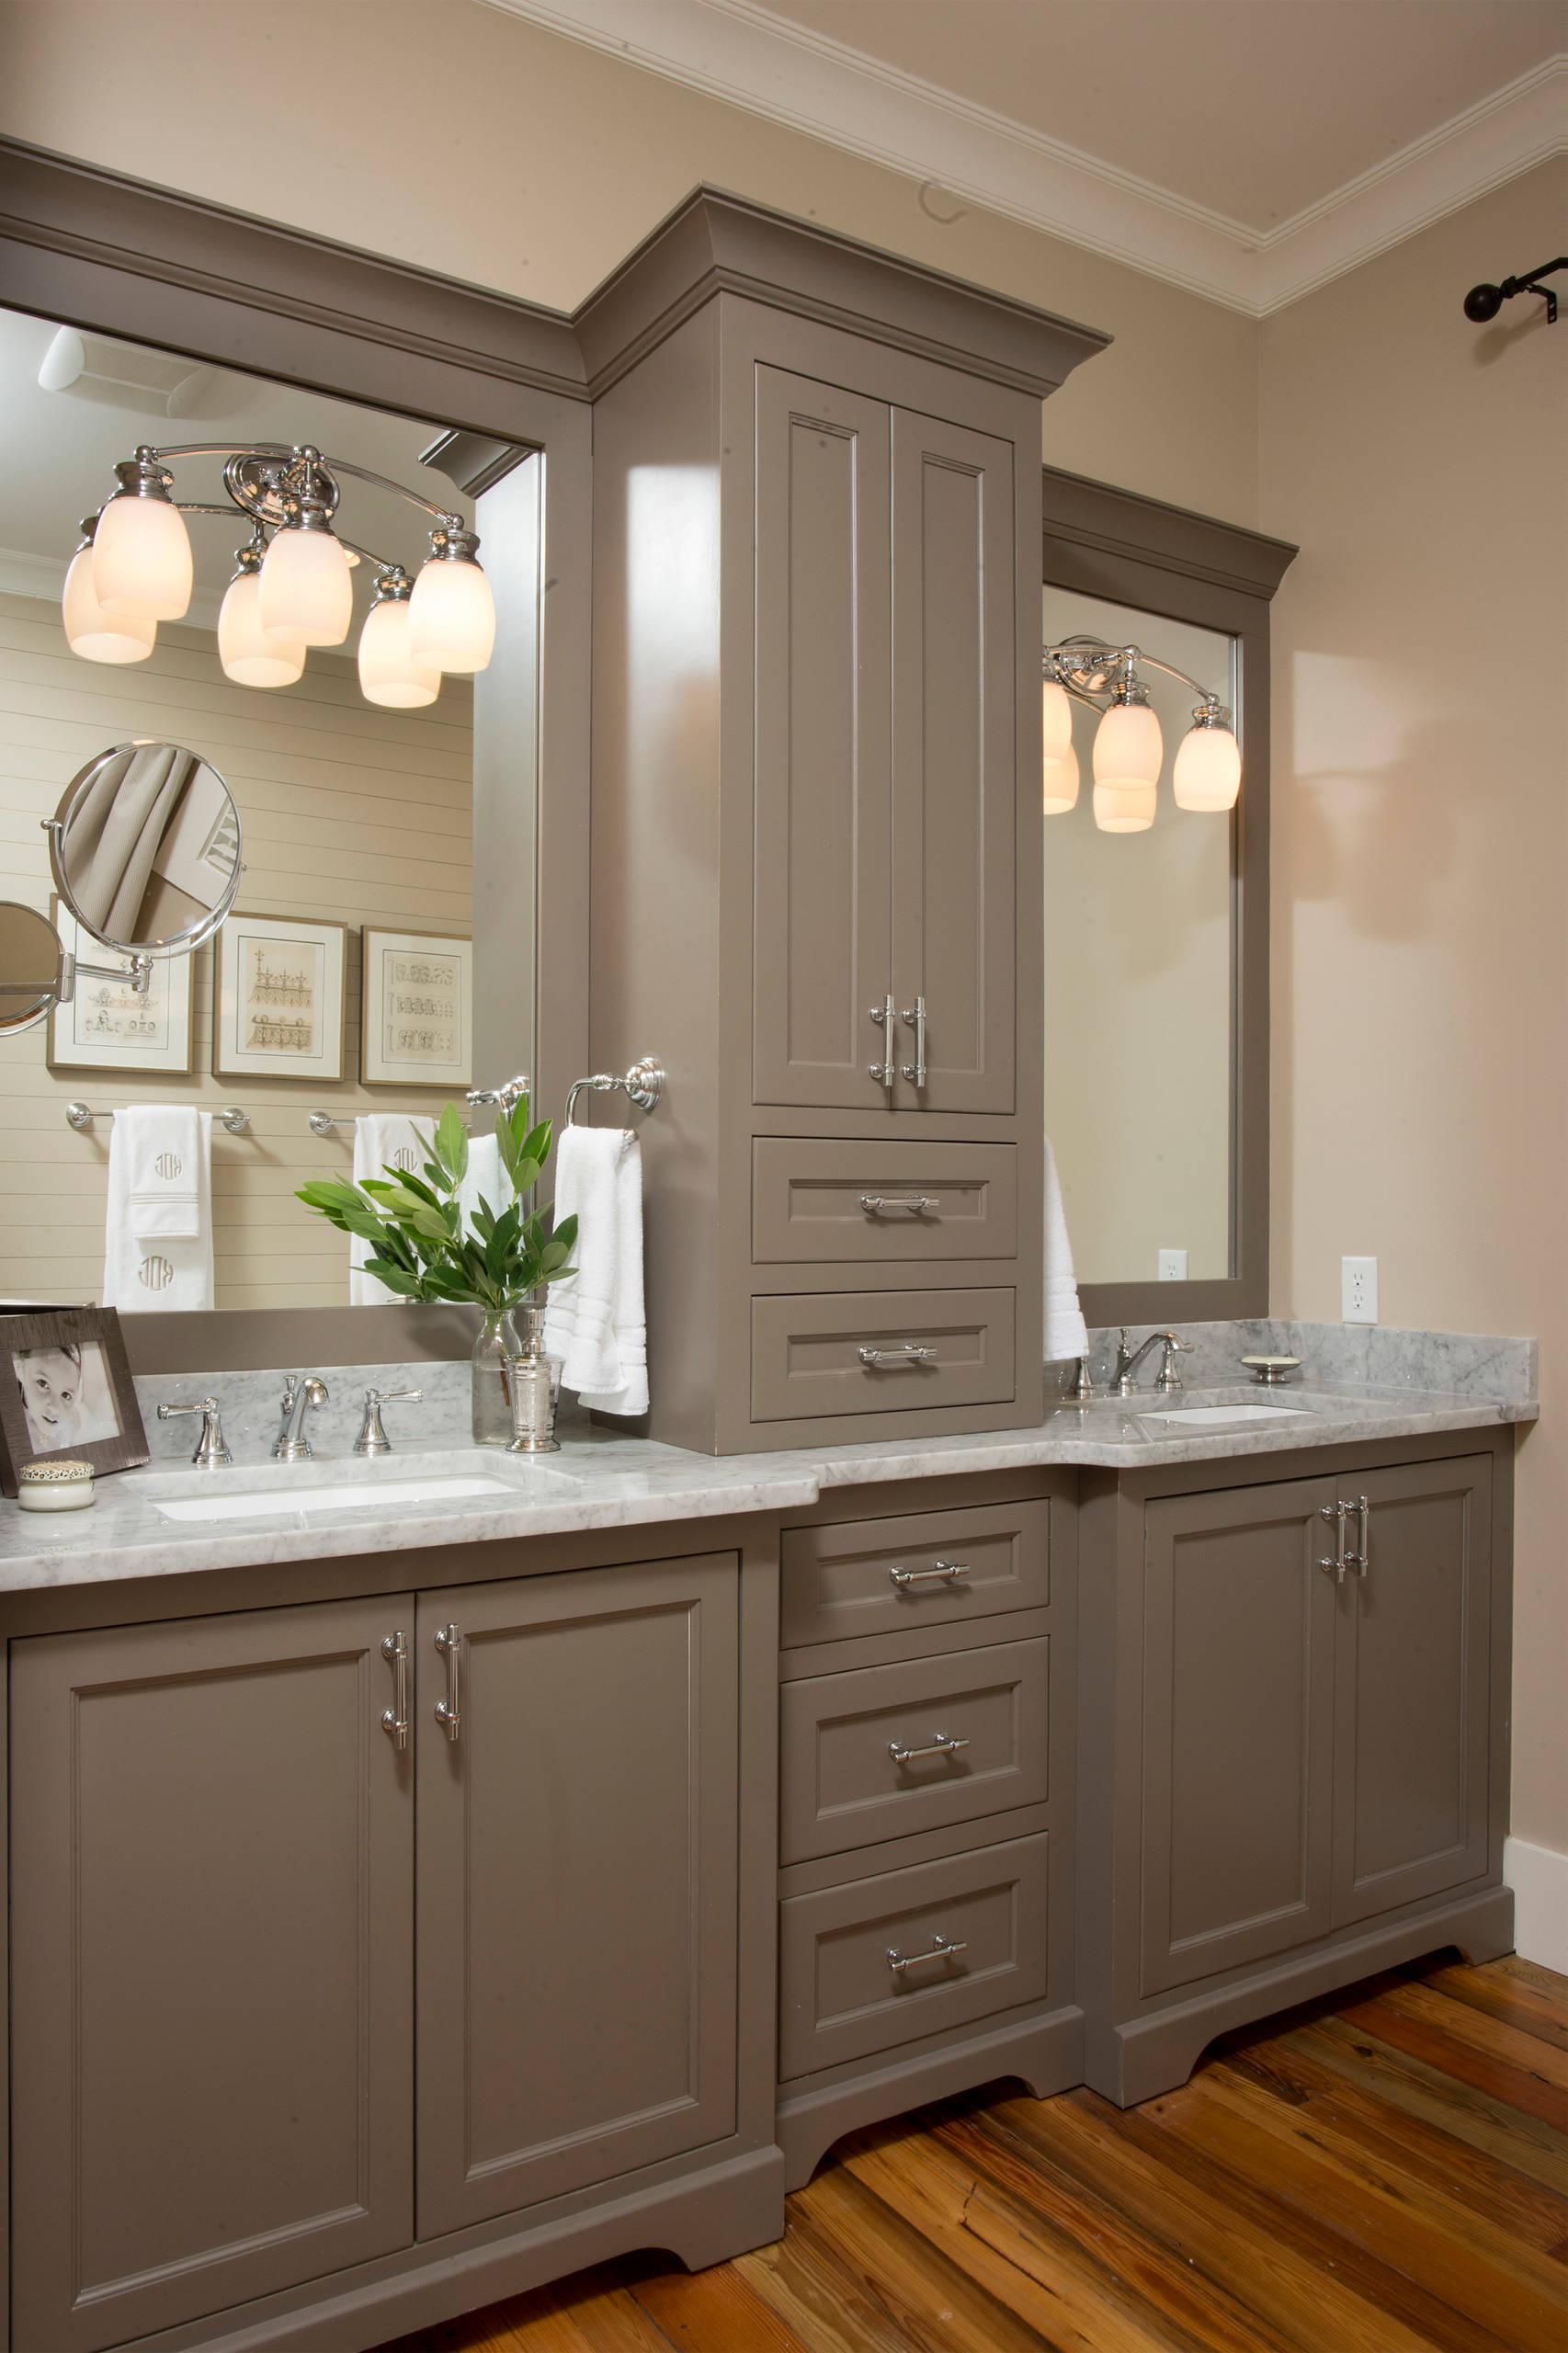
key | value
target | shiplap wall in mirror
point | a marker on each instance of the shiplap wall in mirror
(350, 812)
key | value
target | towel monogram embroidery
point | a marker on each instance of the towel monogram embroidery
(155, 1274)
(168, 1165)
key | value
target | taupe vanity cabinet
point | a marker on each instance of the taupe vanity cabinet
(816, 731)
(291, 2000)
(1295, 1696)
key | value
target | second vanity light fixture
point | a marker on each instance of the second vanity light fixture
(291, 587)
(1129, 747)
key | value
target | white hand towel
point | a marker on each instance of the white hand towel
(595, 1317)
(1065, 1331)
(383, 1141)
(483, 1176)
(161, 1146)
(160, 1270)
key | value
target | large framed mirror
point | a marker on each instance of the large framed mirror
(447, 832)
(1156, 933)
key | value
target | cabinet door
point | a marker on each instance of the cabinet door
(823, 949)
(576, 1883)
(955, 726)
(1237, 1719)
(213, 1846)
(1411, 1708)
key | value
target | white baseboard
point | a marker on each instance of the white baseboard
(1539, 1877)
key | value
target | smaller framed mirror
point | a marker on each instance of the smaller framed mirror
(145, 848)
(32, 966)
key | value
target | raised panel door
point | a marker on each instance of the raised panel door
(577, 1882)
(212, 1847)
(822, 945)
(1237, 1724)
(1412, 1706)
(954, 753)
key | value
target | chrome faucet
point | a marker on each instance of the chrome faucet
(211, 1453)
(300, 1389)
(373, 1437)
(1167, 1380)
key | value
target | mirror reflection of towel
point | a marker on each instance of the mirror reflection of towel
(162, 1271)
(381, 1140)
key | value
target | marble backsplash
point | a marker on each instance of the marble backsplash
(1334, 1355)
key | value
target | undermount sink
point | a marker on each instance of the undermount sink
(221, 1502)
(1207, 1416)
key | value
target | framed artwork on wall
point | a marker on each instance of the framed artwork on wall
(417, 1009)
(66, 1393)
(278, 994)
(108, 1027)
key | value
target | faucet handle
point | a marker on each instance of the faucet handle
(211, 1453)
(373, 1437)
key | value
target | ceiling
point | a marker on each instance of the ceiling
(1248, 149)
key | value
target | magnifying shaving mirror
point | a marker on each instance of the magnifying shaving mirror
(145, 848)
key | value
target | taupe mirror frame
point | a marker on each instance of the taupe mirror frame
(155, 816)
(1129, 551)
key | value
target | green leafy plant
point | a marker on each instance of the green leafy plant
(415, 1225)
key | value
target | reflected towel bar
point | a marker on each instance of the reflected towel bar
(322, 1123)
(79, 1117)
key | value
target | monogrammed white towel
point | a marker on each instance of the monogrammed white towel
(158, 1269)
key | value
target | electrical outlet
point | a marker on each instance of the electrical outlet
(1359, 1290)
(1172, 1266)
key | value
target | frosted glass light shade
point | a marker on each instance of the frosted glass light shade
(1056, 716)
(306, 590)
(1061, 784)
(96, 635)
(1123, 804)
(250, 654)
(388, 673)
(1208, 773)
(1128, 744)
(451, 616)
(142, 558)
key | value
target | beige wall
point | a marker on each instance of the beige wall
(348, 812)
(449, 134)
(1421, 838)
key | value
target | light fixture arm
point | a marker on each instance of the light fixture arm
(443, 515)
(1092, 672)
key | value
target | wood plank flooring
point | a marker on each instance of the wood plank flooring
(1375, 2174)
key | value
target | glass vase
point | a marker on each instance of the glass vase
(497, 1344)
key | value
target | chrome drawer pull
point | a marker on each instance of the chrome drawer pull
(1335, 1513)
(886, 1070)
(942, 1948)
(945, 1570)
(915, 1015)
(942, 1744)
(394, 1719)
(909, 1355)
(874, 1203)
(449, 1711)
(1361, 1559)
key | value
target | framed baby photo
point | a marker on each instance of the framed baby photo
(417, 1009)
(106, 1026)
(279, 995)
(66, 1393)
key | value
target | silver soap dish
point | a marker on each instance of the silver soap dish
(1272, 1372)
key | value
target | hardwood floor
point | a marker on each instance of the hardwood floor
(1374, 2174)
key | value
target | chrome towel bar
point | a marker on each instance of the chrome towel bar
(79, 1117)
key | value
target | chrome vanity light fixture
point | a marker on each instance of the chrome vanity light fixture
(1128, 746)
(291, 587)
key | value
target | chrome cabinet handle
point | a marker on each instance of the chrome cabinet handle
(1361, 1559)
(449, 1642)
(941, 1744)
(874, 1203)
(886, 1361)
(915, 1071)
(1336, 1514)
(884, 1071)
(394, 1719)
(942, 1948)
(946, 1570)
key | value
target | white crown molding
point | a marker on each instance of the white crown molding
(742, 54)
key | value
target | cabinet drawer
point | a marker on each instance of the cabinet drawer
(882, 1202)
(879, 1352)
(882, 1576)
(842, 1786)
(841, 1997)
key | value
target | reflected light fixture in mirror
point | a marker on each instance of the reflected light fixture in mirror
(292, 586)
(1129, 745)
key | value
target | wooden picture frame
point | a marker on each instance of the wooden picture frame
(279, 999)
(107, 1026)
(416, 1007)
(66, 1393)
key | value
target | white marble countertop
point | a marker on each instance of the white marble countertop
(599, 1480)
